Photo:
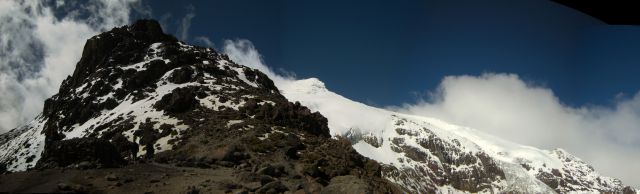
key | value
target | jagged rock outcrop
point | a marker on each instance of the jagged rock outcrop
(140, 97)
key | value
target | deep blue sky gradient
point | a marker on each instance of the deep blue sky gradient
(385, 52)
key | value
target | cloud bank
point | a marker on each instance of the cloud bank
(40, 43)
(508, 107)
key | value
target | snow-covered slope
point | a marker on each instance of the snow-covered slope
(426, 154)
(21, 147)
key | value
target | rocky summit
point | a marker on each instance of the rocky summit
(146, 113)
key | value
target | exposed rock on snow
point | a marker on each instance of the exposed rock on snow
(426, 155)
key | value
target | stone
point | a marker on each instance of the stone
(265, 179)
(241, 191)
(179, 100)
(273, 187)
(252, 186)
(64, 187)
(181, 75)
(271, 170)
(345, 184)
(111, 177)
(192, 190)
(85, 165)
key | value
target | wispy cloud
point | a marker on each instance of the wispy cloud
(205, 41)
(38, 49)
(243, 52)
(185, 24)
(506, 106)
(164, 20)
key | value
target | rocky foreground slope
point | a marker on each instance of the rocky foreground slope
(145, 113)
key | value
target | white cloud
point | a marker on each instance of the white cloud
(38, 50)
(164, 20)
(185, 24)
(243, 52)
(508, 107)
(204, 41)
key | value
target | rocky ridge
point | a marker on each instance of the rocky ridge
(139, 97)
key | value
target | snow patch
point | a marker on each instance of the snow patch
(24, 151)
(233, 122)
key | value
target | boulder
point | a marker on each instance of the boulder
(273, 188)
(345, 184)
(178, 101)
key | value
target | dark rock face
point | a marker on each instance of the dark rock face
(291, 115)
(3, 168)
(181, 75)
(440, 162)
(628, 190)
(178, 101)
(482, 169)
(98, 49)
(572, 180)
(126, 148)
(95, 152)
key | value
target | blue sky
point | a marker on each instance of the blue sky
(387, 53)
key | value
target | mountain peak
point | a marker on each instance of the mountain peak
(150, 27)
(138, 94)
(309, 86)
(99, 49)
